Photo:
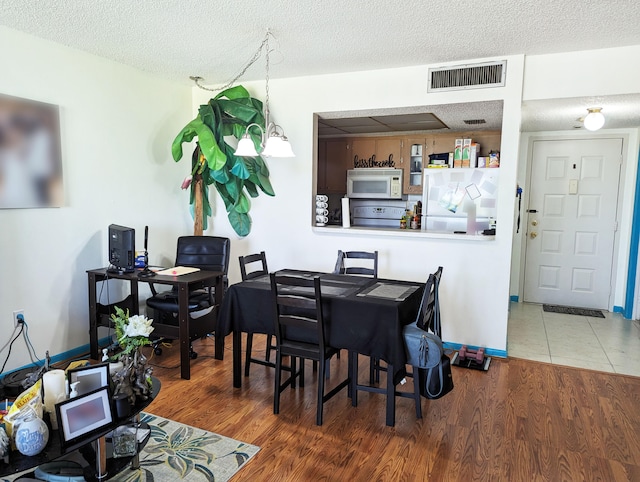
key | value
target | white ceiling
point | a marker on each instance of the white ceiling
(176, 39)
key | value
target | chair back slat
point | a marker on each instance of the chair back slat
(297, 303)
(347, 267)
(253, 266)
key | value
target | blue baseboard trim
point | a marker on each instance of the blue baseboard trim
(514, 298)
(69, 354)
(488, 351)
(618, 309)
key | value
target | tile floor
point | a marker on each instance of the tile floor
(610, 344)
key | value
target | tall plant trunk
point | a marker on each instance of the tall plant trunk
(197, 208)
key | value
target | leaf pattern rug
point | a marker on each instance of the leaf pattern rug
(180, 452)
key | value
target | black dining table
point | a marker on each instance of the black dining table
(362, 315)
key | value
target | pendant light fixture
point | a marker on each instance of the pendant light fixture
(273, 141)
(276, 143)
(594, 120)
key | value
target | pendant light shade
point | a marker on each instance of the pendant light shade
(594, 119)
(245, 147)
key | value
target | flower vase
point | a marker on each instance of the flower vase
(134, 378)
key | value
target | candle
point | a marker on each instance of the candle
(53, 383)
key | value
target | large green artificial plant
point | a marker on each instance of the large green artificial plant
(213, 161)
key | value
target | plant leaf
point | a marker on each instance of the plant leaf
(239, 169)
(235, 92)
(240, 222)
(243, 205)
(194, 128)
(265, 184)
(250, 186)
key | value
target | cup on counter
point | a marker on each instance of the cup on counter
(322, 198)
(321, 204)
(322, 211)
(321, 220)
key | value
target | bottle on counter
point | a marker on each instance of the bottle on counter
(403, 222)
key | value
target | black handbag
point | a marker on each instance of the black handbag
(436, 382)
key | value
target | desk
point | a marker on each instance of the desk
(99, 314)
(355, 320)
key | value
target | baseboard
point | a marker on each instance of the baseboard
(69, 354)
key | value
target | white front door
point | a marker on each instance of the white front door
(571, 222)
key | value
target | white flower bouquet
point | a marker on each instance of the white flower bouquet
(132, 331)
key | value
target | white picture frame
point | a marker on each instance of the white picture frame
(83, 415)
(91, 377)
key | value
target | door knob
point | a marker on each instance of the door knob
(534, 222)
(533, 235)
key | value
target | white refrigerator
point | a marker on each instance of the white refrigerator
(462, 200)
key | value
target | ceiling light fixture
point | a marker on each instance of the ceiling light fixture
(276, 143)
(594, 120)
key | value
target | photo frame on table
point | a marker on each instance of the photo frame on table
(91, 377)
(84, 415)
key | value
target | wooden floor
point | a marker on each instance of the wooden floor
(520, 421)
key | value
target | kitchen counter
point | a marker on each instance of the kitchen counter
(400, 233)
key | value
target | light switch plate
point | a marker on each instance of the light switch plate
(573, 186)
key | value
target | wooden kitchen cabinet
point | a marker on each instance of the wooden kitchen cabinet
(415, 157)
(389, 149)
(333, 157)
(362, 151)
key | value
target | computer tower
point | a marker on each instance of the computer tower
(122, 241)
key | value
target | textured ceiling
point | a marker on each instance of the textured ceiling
(176, 39)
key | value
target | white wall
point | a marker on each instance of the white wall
(475, 283)
(117, 125)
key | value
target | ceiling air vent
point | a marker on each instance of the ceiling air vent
(474, 122)
(469, 76)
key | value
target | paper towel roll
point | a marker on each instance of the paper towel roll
(346, 214)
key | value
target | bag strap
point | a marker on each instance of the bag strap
(429, 373)
(436, 309)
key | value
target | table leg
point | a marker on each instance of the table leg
(93, 318)
(391, 397)
(218, 337)
(183, 316)
(237, 358)
(101, 458)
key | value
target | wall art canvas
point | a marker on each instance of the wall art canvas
(30, 154)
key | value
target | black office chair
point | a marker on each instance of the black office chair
(348, 267)
(428, 318)
(204, 252)
(300, 333)
(253, 266)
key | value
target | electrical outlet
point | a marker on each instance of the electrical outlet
(17, 313)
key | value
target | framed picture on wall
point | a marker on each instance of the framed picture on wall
(30, 154)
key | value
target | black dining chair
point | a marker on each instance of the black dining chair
(353, 262)
(206, 253)
(300, 333)
(253, 266)
(428, 318)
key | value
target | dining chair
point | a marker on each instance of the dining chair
(355, 263)
(203, 252)
(300, 333)
(253, 266)
(428, 318)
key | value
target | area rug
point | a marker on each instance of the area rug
(569, 310)
(180, 452)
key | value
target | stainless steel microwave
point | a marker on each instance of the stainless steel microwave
(374, 183)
